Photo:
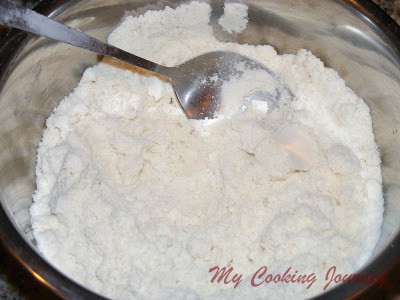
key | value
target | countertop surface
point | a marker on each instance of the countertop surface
(17, 284)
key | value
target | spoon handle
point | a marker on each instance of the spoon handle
(13, 15)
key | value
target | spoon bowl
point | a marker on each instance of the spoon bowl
(198, 83)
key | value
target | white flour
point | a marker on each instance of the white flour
(134, 200)
(234, 19)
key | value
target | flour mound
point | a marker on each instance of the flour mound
(134, 200)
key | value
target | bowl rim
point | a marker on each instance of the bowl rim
(13, 241)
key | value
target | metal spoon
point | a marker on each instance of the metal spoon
(197, 82)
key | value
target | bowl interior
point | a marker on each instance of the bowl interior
(353, 37)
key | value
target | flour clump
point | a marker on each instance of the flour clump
(234, 19)
(134, 200)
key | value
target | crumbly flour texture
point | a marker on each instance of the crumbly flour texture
(135, 201)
